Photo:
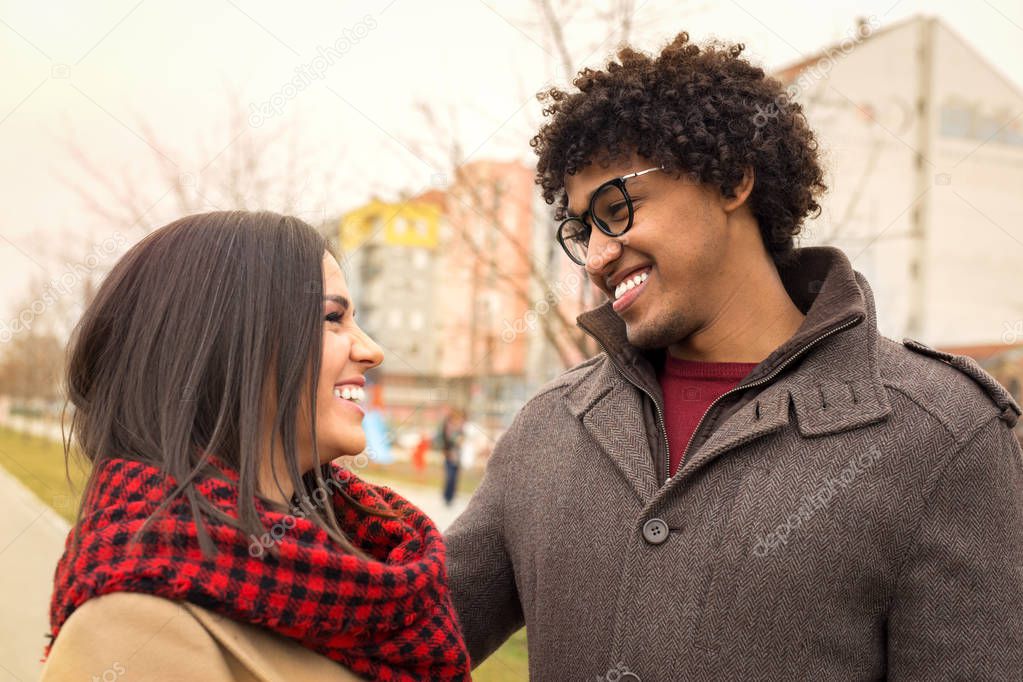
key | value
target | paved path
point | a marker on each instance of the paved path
(32, 541)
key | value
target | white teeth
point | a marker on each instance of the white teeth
(629, 284)
(354, 393)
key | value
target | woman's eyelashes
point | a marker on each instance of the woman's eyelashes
(339, 317)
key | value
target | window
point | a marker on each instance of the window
(420, 258)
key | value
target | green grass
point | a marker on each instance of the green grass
(39, 464)
(508, 664)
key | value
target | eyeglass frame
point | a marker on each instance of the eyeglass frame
(618, 182)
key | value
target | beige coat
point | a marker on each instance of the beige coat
(142, 637)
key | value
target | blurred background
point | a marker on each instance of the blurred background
(401, 130)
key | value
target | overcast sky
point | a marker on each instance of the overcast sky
(97, 73)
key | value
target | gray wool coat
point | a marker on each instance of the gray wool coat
(853, 510)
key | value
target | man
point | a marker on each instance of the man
(749, 482)
(451, 437)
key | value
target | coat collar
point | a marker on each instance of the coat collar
(266, 655)
(827, 371)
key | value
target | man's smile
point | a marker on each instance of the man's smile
(629, 289)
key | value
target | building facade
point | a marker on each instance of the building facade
(439, 280)
(923, 143)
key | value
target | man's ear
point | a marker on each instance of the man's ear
(742, 191)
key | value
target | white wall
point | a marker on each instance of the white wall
(971, 202)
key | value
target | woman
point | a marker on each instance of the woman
(216, 376)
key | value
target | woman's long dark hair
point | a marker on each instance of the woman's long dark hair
(191, 330)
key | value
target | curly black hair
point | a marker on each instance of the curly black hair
(704, 113)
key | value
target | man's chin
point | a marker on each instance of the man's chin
(642, 338)
(649, 336)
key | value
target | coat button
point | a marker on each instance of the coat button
(655, 531)
(629, 677)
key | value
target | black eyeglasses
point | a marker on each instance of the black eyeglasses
(610, 210)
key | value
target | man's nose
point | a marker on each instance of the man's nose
(601, 253)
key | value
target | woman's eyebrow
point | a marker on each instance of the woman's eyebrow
(340, 300)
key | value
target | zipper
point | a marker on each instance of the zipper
(759, 382)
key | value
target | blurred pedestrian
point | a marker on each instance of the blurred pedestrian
(419, 453)
(452, 436)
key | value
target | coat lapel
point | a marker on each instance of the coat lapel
(611, 411)
(266, 655)
(765, 414)
(827, 395)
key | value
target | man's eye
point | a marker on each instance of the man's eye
(618, 211)
(580, 234)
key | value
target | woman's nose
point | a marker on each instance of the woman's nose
(366, 350)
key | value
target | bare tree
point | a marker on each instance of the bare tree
(475, 205)
(572, 32)
(246, 169)
(32, 357)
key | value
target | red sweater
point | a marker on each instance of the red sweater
(689, 387)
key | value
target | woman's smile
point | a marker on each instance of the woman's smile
(351, 396)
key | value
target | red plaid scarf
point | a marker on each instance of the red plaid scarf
(389, 618)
